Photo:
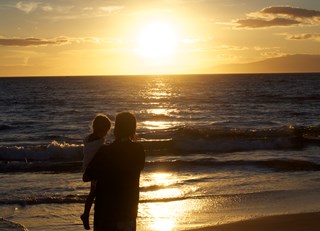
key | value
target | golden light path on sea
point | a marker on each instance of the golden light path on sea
(172, 204)
(161, 215)
(158, 124)
(157, 94)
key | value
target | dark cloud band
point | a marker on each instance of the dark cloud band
(315, 37)
(31, 41)
(291, 11)
(275, 16)
(262, 23)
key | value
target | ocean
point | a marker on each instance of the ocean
(220, 148)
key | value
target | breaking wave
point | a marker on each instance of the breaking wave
(66, 157)
(181, 141)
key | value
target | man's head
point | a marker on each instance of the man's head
(125, 126)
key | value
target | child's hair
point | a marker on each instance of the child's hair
(101, 123)
(125, 125)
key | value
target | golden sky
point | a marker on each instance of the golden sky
(120, 37)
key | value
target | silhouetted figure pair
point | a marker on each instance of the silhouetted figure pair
(116, 168)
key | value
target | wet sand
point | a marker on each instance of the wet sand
(292, 222)
(7, 225)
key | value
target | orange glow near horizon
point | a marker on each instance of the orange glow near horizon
(155, 38)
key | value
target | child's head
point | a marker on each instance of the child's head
(101, 124)
(125, 126)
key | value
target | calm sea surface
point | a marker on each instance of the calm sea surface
(220, 148)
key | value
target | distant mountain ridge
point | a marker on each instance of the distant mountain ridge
(285, 64)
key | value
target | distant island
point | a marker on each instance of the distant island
(285, 64)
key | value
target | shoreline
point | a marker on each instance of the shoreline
(11, 225)
(288, 222)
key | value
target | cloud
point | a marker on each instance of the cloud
(27, 7)
(269, 52)
(230, 48)
(315, 37)
(219, 49)
(274, 54)
(279, 16)
(111, 9)
(291, 11)
(47, 8)
(62, 40)
(24, 42)
(97, 40)
(66, 11)
(257, 48)
(263, 23)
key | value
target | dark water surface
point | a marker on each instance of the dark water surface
(221, 143)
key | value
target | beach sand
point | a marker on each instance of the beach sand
(292, 222)
(7, 225)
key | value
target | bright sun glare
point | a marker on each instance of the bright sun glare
(157, 40)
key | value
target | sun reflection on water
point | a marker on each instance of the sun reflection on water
(161, 215)
(159, 94)
(168, 216)
(158, 111)
(158, 89)
(168, 208)
(162, 113)
(165, 180)
(159, 124)
(163, 222)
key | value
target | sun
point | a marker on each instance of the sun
(157, 40)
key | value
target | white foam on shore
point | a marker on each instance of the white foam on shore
(11, 226)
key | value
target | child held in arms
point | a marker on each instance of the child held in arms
(100, 127)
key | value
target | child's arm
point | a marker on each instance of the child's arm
(92, 170)
(95, 168)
